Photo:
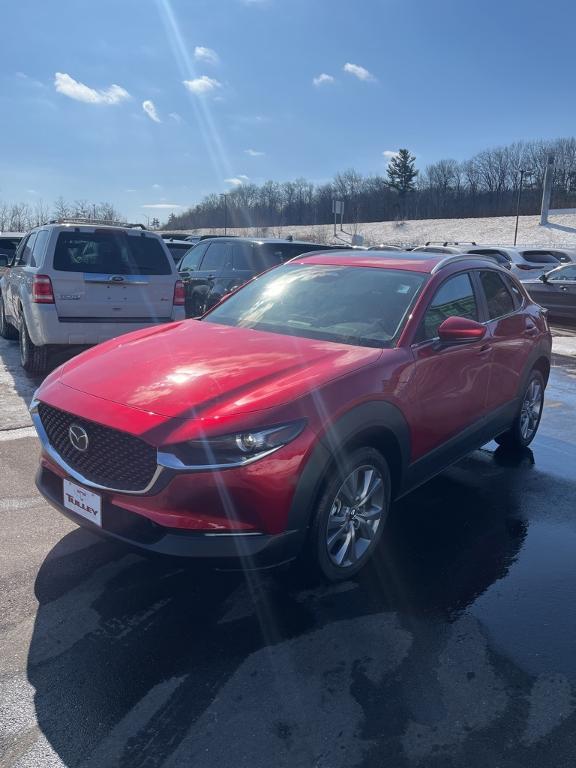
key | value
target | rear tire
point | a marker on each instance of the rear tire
(7, 331)
(350, 515)
(526, 423)
(33, 359)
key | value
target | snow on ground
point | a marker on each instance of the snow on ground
(561, 231)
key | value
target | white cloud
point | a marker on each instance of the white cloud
(176, 117)
(254, 153)
(237, 181)
(150, 108)
(322, 79)
(129, 190)
(162, 206)
(255, 2)
(202, 85)
(207, 55)
(389, 154)
(74, 90)
(360, 72)
(156, 186)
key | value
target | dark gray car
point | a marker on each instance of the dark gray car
(213, 268)
(556, 291)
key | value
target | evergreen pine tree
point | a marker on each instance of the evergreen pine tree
(401, 172)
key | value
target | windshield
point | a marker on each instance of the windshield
(350, 305)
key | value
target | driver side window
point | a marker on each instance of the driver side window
(454, 298)
(569, 273)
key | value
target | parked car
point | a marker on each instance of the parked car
(216, 267)
(556, 290)
(527, 263)
(9, 241)
(283, 423)
(77, 285)
(177, 248)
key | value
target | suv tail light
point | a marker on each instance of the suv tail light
(179, 294)
(42, 292)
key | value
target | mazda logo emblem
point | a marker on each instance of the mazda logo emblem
(78, 437)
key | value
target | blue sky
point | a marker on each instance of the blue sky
(159, 102)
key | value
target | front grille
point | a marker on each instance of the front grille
(113, 459)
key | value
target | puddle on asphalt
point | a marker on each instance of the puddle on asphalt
(530, 615)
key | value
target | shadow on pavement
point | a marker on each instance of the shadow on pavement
(140, 662)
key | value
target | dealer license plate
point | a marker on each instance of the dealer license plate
(83, 502)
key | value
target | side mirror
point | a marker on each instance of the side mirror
(543, 278)
(460, 330)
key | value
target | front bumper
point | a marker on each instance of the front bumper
(242, 550)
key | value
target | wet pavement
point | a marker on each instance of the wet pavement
(456, 648)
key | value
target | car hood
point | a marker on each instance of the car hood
(199, 369)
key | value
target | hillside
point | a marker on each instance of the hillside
(561, 231)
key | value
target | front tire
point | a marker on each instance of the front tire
(33, 359)
(7, 331)
(526, 423)
(350, 515)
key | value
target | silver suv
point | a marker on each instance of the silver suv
(79, 284)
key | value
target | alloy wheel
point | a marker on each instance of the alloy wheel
(531, 409)
(357, 512)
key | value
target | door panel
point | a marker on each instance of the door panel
(200, 283)
(450, 386)
(450, 383)
(513, 333)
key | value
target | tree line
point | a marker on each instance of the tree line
(484, 185)
(20, 217)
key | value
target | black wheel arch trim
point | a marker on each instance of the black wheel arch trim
(361, 420)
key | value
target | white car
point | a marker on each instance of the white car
(76, 284)
(528, 263)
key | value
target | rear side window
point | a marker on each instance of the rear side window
(455, 298)
(217, 255)
(515, 292)
(498, 298)
(110, 253)
(39, 247)
(539, 257)
(193, 256)
(26, 253)
(243, 258)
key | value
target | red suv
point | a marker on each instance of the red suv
(284, 421)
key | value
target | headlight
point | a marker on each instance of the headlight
(231, 450)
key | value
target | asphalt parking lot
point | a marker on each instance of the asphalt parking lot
(455, 649)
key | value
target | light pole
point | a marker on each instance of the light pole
(523, 172)
(225, 196)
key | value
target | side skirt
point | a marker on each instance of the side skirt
(473, 437)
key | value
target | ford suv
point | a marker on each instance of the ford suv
(282, 423)
(73, 284)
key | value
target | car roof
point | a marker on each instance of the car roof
(424, 262)
(11, 234)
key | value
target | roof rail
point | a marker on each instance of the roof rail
(101, 222)
(450, 242)
(454, 257)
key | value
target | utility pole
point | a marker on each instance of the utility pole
(225, 196)
(547, 190)
(523, 173)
